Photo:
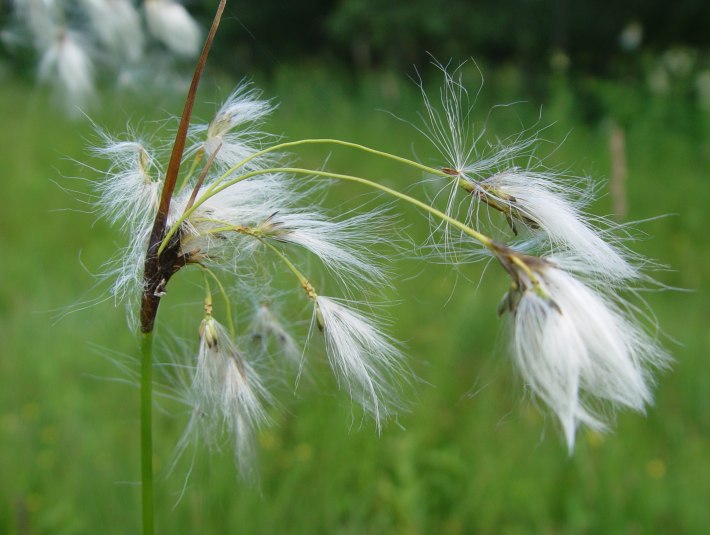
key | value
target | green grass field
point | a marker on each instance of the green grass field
(474, 455)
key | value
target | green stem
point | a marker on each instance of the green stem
(227, 305)
(305, 283)
(195, 162)
(215, 187)
(478, 236)
(147, 431)
(327, 141)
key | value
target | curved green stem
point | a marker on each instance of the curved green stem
(197, 158)
(246, 231)
(305, 283)
(227, 305)
(328, 141)
(147, 432)
(478, 236)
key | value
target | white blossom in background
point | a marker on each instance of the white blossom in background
(75, 38)
(118, 26)
(171, 24)
(66, 65)
(43, 19)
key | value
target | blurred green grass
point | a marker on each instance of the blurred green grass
(474, 456)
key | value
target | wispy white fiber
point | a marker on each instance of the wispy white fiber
(128, 197)
(170, 23)
(505, 178)
(233, 134)
(118, 26)
(266, 326)
(129, 193)
(580, 352)
(344, 246)
(267, 207)
(67, 66)
(538, 203)
(228, 392)
(366, 361)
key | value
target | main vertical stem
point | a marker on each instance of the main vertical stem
(147, 431)
(158, 269)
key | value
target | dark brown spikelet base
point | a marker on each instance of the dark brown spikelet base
(157, 272)
(160, 267)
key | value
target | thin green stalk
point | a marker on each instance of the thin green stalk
(216, 186)
(147, 432)
(227, 305)
(300, 276)
(305, 283)
(328, 141)
(478, 236)
(195, 162)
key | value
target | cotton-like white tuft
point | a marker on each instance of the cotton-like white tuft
(546, 208)
(579, 352)
(267, 207)
(266, 326)
(542, 206)
(233, 133)
(118, 26)
(128, 197)
(66, 65)
(128, 194)
(170, 23)
(344, 246)
(364, 359)
(228, 392)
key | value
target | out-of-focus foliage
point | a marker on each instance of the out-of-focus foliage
(647, 46)
(599, 36)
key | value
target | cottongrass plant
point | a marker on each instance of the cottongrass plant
(75, 40)
(225, 205)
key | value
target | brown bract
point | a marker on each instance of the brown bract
(160, 267)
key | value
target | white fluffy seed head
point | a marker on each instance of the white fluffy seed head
(234, 134)
(66, 65)
(170, 23)
(118, 27)
(266, 326)
(544, 208)
(578, 351)
(268, 206)
(490, 188)
(129, 193)
(365, 360)
(228, 392)
(345, 247)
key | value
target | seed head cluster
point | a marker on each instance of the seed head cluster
(77, 39)
(242, 217)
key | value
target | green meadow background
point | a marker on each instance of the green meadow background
(473, 455)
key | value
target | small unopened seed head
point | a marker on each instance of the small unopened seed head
(208, 332)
